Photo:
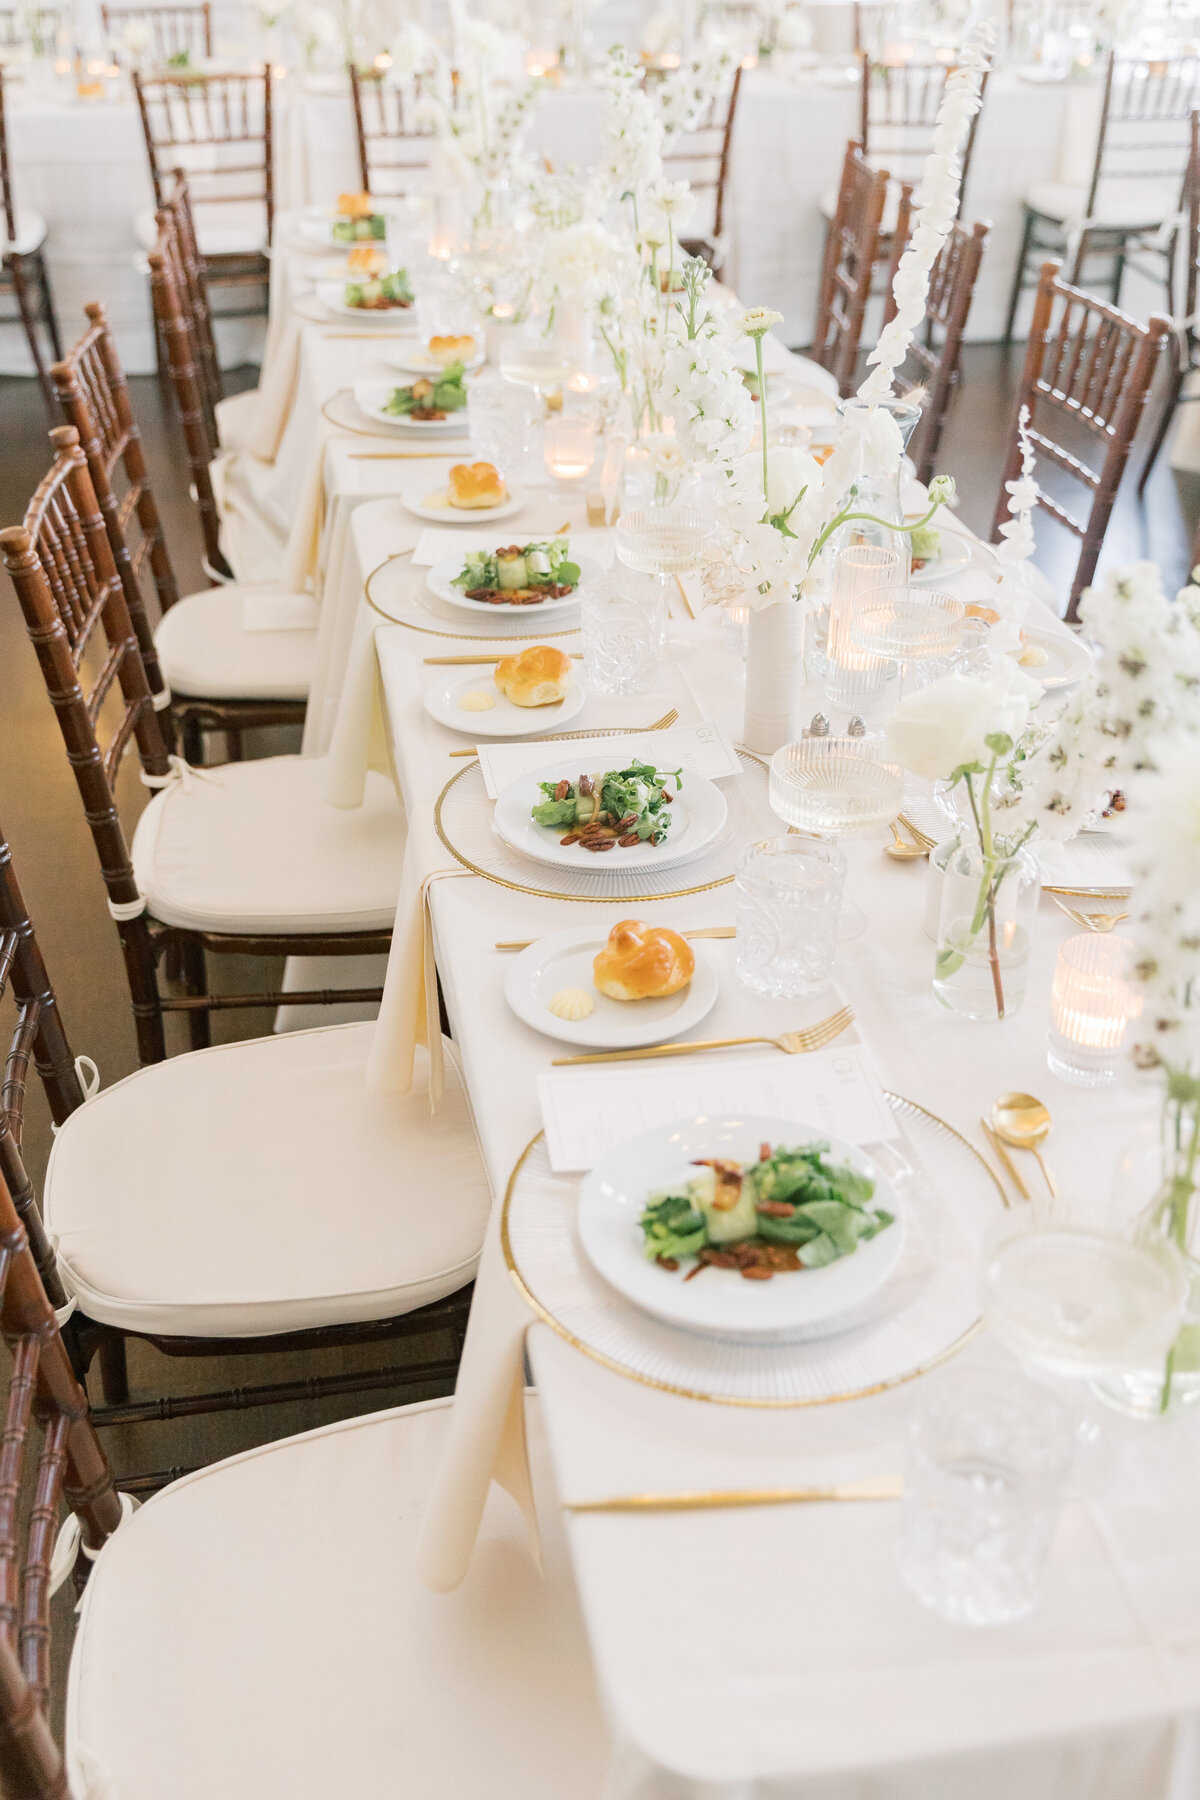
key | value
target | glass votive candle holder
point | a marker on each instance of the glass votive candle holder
(787, 902)
(855, 677)
(569, 449)
(1091, 1004)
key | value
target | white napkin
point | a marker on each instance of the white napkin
(587, 1111)
(702, 747)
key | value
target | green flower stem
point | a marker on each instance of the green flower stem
(1176, 1212)
(846, 518)
(762, 413)
(949, 962)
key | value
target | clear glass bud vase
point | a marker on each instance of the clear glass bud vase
(989, 905)
(879, 489)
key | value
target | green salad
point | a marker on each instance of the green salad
(519, 574)
(430, 398)
(367, 229)
(616, 806)
(792, 1209)
(380, 293)
(926, 546)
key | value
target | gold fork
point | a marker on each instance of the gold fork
(562, 737)
(1090, 921)
(915, 833)
(792, 1043)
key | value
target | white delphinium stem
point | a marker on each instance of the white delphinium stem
(937, 208)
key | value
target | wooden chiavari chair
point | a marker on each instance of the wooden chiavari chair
(1130, 207)
(174, 31)
(218, 129)
(23, 265)
(851, 250)
(201, 661)
(1088, 370)
(899, 106)
(1187, 331)
(392, 147)
(222, 859)
(701, 157)
(41, 27)
(105, 1210)
(936, 350)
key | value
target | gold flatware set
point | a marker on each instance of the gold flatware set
(1019, 1122)
(792, 1043)
(1089, 921)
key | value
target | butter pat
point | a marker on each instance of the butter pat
(439, 502)
(572, 1003)
(476, 701)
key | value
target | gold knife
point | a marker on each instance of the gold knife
(878, 1487)
(455, 661)
(703, 931)
(1005, 1160)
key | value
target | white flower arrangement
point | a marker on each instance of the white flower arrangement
(937, 207)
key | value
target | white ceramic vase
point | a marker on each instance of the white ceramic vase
(774, 676)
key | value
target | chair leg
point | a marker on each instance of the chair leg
(1018, 279)
(1164, 423)
(49, 316)
(192, 740)
(114, 1370)
(1118, 275)
(195, 977)
(16, 269)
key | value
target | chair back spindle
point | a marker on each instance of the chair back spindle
(174, 31)
(218, 128)
(933, 358)
(393, 147)
(1088, 370)
(701, 156)
(851, 248)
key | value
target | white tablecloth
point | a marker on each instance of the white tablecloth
(781, 1659)
(83, 165)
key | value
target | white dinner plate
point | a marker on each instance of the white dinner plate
(416, 360)
(1069, 660)
(565, 960)
(505, 719)
(370, 397)
(720, 1303)
(954, 557)
(424, 502)
(331, 294)
(441, 584)
(698, 814)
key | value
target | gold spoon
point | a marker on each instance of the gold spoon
(901, 850)
(1024, 1122)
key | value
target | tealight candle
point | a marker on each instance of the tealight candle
(1091, 1004)
(569, 448)
(855, 678)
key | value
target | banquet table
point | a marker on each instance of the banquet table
(82, 164)
(783, 1661)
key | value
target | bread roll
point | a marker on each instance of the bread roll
(447, 350)
(643, 962)
(537, 677)
(354, 206)
(366, 259)
(473, 486)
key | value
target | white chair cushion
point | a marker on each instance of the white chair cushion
(253, 847)
(1129, 203)
(222, 229)
(235, 418)
(31, 233)
(261, 1187)
(204, 648)
(257, 1631)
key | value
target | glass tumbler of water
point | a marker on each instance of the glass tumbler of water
(623, 621)
(788, 897)
(988, 1458)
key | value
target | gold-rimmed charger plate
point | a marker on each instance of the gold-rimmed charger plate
(419, 610)
(463, 819)
(343, 411)
(926, 1315)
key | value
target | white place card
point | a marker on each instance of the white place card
(440, 541)
(702, 747)
(586, 1111)
(1094, 859)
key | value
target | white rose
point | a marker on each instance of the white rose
(940, 727)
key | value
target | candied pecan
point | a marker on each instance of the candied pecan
(756, 1272)
(572, 837)
(603, 844)
(586, 785)
(669, 798)
(626, 822)
(775, 1209)
(721, 1259)
(562, 790)
(629, 840)
(667, 1262)
(764, 1151)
